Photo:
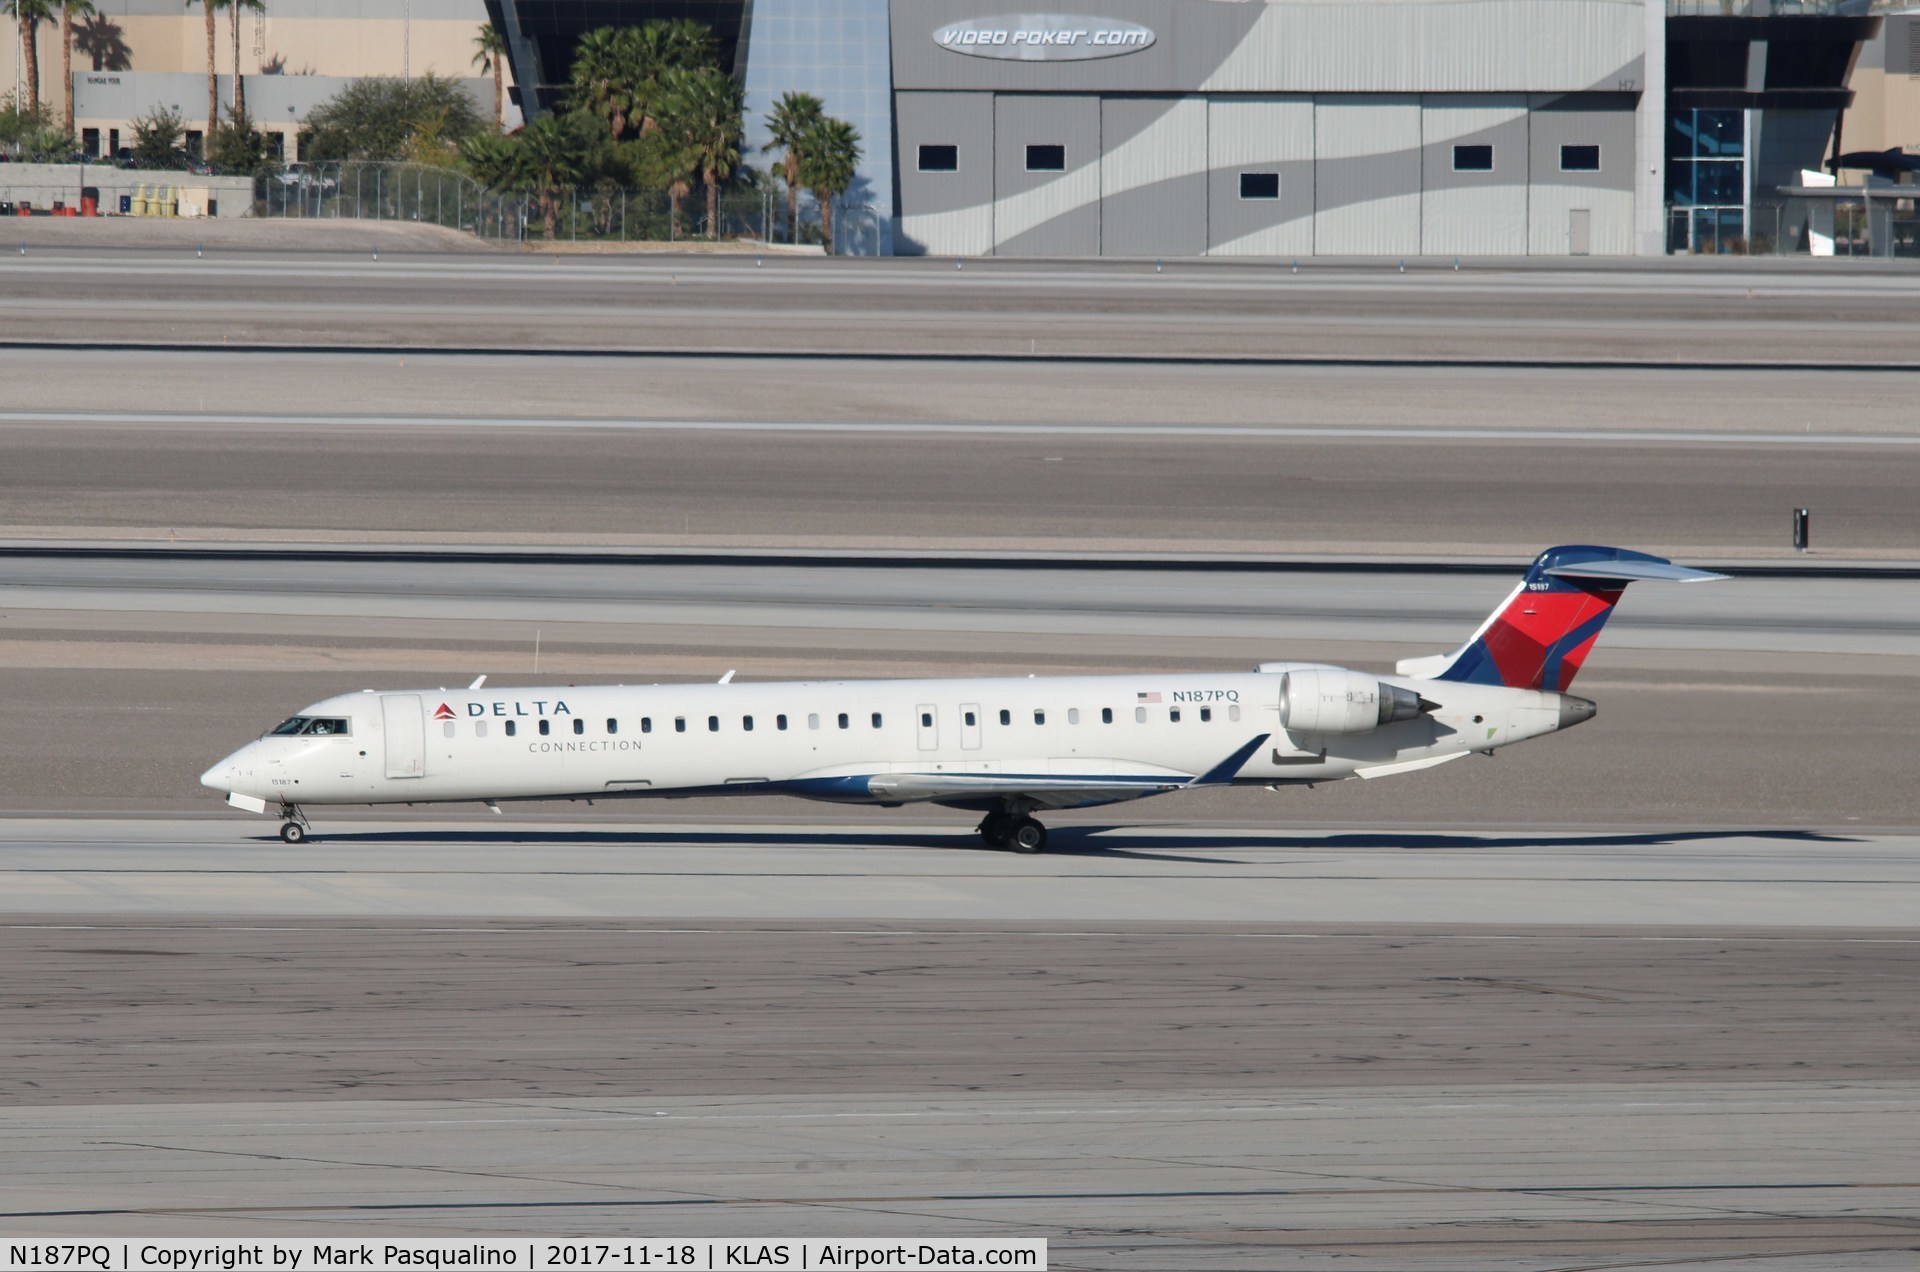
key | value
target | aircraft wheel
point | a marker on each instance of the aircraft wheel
(293, 832)
(996, 829)
(1029, 836)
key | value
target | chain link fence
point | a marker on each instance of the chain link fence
(1885, 226)
(601, 214)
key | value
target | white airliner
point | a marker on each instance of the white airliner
(1006, 747)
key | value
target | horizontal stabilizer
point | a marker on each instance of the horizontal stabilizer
(1635, 571)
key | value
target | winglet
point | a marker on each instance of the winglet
(1222, 773)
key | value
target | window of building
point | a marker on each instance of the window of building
(1473, 158)
(813, 719)
(746, 724)
(1139, 715)
(939, 158)
(713, 724)
(546, 727)
(1106, 715)
(510, 729)
(1579, 158)
(1046, 158)
(1039, 716)
(876, 719)
(479, 728)
(613, 726)
(1259, 185)
(1073, 715)
(846, 721)
(1006, 716)
(679, 724)
(780, 723)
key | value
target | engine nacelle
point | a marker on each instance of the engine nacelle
(1335, 700)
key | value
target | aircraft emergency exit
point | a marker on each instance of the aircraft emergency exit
(1006, 748)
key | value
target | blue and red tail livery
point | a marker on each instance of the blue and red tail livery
(1542, 634)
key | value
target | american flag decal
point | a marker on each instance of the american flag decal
(1146, 697)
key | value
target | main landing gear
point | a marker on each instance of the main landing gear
(1002, 828)
(296, 829)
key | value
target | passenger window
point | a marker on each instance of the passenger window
(1139, 715)
(1073, 715)
(780, 723)
(970, 719)
(1233, 712)
(1039, 715)
(926, 719)
(546, 726)
(876, 719)
(579, 727)
(613, 726)
(448, 727)
(679, 724)
(1173, 714)
(844, 720)
(646, 724)
(479, 728)
(1206, 714)
(1006, 716)
(813, 719)
(1106, 715)
(746, 723)
(510, 728)
(713, 724)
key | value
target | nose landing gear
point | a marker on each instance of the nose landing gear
(296, 828)
(1006, 828)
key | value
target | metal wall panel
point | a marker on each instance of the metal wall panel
(1366, 175)
(1474, 213)
(1046, 213)
(1153, 176)
(1260, 134)
(945, 213)
(1603, 119)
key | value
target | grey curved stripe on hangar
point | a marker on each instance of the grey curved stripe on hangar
(1198, 212)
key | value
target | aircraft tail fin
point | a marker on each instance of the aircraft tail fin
(1541, 634)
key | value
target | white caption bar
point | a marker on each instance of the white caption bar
(237, 1254)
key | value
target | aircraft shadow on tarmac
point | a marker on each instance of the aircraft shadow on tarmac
(1139, 842)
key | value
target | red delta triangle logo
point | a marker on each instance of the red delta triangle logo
(444, 713)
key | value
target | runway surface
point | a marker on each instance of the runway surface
(1745, 313)
(845, 455)
(1615, 1051)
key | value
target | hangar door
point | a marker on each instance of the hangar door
(1475, 184)
(1046, 175)
(1261, 153)
(1153, 176)
(1367, 176)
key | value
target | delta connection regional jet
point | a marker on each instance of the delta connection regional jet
(1008, 748)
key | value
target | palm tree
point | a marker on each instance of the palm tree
(213, 74)
(707, 105)
(233, 8)
(556, 153)
(491, 55)
(788, 123)
(30, 14)
(607, 69)
(660, 51)
(829, 158)
(68, 11)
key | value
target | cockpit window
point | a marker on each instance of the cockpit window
(311, 726)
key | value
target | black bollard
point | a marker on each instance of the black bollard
(1799, 529)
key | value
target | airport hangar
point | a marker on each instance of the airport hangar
(1166, 128)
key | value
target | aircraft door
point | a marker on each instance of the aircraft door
(969, 726)
(928, 719)
(406, 734)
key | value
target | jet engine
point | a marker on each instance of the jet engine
(1335, 700)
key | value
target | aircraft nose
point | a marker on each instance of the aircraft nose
(1575, 710)
(217, 777)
